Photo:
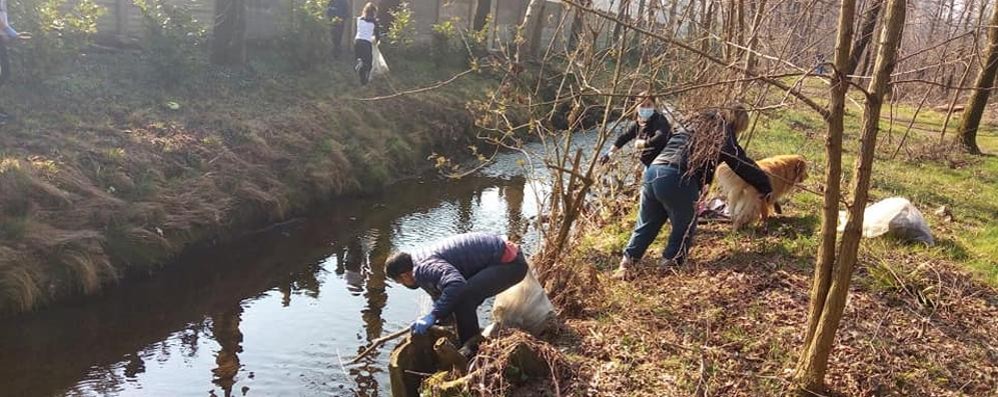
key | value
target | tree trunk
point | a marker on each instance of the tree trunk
(229, 37)
(833, 181)
(622, 12)
(865, 33)
(482, 14)
(706, 19)
(983, 85)
(578, 25)
(814, 362)
(531, 23)
(760, 10)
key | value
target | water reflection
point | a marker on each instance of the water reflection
(273, 315)
(225, 329)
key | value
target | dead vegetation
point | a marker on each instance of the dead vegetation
(728, 324)
(100, 183)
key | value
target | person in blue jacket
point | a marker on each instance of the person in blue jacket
(459, 272)
(339, 12)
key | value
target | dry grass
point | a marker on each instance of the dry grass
(730, 324)
(98, 179)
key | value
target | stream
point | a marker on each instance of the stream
(274, 313)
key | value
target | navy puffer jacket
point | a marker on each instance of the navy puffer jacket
(442, 269)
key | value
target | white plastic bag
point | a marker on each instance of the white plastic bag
(895, 215)
(524, 306)
(379, 67)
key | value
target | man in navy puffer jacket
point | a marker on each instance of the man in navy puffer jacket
(459, 273)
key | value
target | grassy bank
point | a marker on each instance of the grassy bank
(106, 172)
(920, 320)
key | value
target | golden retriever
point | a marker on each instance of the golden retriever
(745, 203)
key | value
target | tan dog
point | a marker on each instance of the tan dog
(745, 203)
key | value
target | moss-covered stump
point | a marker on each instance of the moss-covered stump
(412, 358)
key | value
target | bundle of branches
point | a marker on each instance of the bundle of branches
(515, 356)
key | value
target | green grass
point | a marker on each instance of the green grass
(100, 166)
(968, 186)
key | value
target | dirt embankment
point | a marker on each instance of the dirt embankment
(103, 176)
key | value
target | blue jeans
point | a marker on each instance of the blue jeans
(665, 195)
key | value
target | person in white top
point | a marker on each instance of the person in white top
(367, 35)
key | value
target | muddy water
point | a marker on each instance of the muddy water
(271, 315)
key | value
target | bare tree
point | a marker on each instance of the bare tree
(984, 84)
(229, 36)
(814, 360)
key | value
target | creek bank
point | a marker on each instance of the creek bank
(99, 180)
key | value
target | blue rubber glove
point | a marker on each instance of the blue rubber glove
(420, 326)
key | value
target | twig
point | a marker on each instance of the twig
(808, 101)
(418, 90)
(377, 343)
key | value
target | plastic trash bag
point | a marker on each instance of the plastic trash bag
(379, 67)
(524, 306)
(895, 215)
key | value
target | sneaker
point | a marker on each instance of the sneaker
(625, 270)
(665, 265)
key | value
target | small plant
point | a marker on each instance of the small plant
(306, 38)
(175, 40)
(444, 41)
(478, 40)
(402, 30)
(60, 32)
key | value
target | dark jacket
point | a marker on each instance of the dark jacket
(339, 9)
(656, 133)
(676, 153)
(443, 269)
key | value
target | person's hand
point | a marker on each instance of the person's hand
(640, 143)
(605, 158)
(419, 327)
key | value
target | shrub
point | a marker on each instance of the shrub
(478, 40)
(175, 41)
(60, 33)
(445, 42)
(402, 31)
(306, 40)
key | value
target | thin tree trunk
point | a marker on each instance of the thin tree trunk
(983, 85)
(706, 23)
(578, 23)
(833, 180)
(229, 35)
(526, 32)
(814, 362)
(865, 33)
(622, 12)
(482, 14)
(760, 10)
(672, 14)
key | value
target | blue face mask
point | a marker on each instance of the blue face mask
(645, 113)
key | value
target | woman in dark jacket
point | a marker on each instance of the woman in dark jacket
(650, 131)
(674, 180)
